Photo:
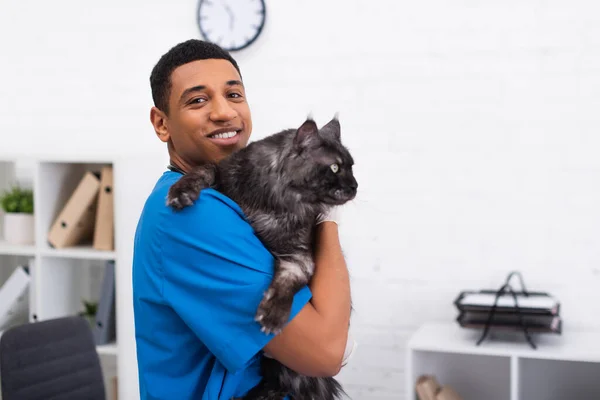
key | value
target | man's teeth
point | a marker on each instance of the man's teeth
(224, 135)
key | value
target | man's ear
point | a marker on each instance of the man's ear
(159, 122)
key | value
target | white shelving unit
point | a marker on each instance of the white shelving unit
(62, 278)
(506, 367)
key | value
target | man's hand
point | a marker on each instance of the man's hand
(332, 216)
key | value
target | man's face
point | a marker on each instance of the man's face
(209, 117)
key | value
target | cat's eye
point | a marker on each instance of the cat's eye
(335, 168)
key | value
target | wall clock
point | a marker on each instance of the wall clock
(232, 24)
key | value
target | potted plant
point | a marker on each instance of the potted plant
(17, 204)
(89, 311)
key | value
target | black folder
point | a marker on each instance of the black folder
(538, 323)
(105, 327)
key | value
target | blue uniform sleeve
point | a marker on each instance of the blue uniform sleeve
(215, 273)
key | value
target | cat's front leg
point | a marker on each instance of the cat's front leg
(186, 190)
(291, 274)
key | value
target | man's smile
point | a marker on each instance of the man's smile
(225, 136)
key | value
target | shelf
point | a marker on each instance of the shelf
(79, 252)
(16, 250)
(76, 252)
(62, 279)
(561, 379)
(571, 345)
(488, 377)
(504, 366)
(107, 349)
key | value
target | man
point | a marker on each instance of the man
(200, 273)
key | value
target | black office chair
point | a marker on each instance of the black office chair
(52, 359)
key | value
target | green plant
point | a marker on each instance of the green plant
(89, 309)
(17, 200)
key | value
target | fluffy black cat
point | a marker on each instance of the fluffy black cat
(282, 183)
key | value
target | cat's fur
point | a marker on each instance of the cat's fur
(282, 183)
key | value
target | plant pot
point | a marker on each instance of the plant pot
(18, 228)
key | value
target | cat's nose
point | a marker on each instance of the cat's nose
(353, 184)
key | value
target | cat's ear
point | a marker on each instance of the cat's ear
(306, 133)
(332, 129)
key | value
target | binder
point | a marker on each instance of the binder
(511, 321)
(33, 301)
(115, 387)
(528, 302)
(75, 223)
(104, 226)
(105, 326)
(14, 299)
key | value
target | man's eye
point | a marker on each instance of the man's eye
(197, 100)
(235, 95)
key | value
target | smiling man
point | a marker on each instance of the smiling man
(209, 117)
(200, 273)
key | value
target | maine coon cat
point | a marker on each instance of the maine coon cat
(282, 183)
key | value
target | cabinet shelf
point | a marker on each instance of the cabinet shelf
(79, 252)
(506, 368)
(62, 279)
(8, 249)
(76, 252)
(109, 349)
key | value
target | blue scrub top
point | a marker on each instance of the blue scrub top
(198, 277)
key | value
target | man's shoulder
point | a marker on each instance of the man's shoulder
(212, 208)
(209, 198)
(212, 224)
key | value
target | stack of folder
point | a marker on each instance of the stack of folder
(88, 214)
(507, 309)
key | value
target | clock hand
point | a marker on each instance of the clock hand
(230, 16)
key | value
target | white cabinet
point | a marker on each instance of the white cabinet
(63, 278)
(505, 367)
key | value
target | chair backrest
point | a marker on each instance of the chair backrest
(51, 359)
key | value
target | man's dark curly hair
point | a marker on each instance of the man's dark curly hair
(182, 53)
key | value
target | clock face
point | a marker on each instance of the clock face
(232, 24)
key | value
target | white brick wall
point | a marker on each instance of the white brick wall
(474, 127)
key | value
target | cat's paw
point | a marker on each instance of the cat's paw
(273, 312)
(182, 195)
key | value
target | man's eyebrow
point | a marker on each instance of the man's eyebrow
(234, 82)
(187, 91)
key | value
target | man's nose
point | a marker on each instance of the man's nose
(222, 110)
